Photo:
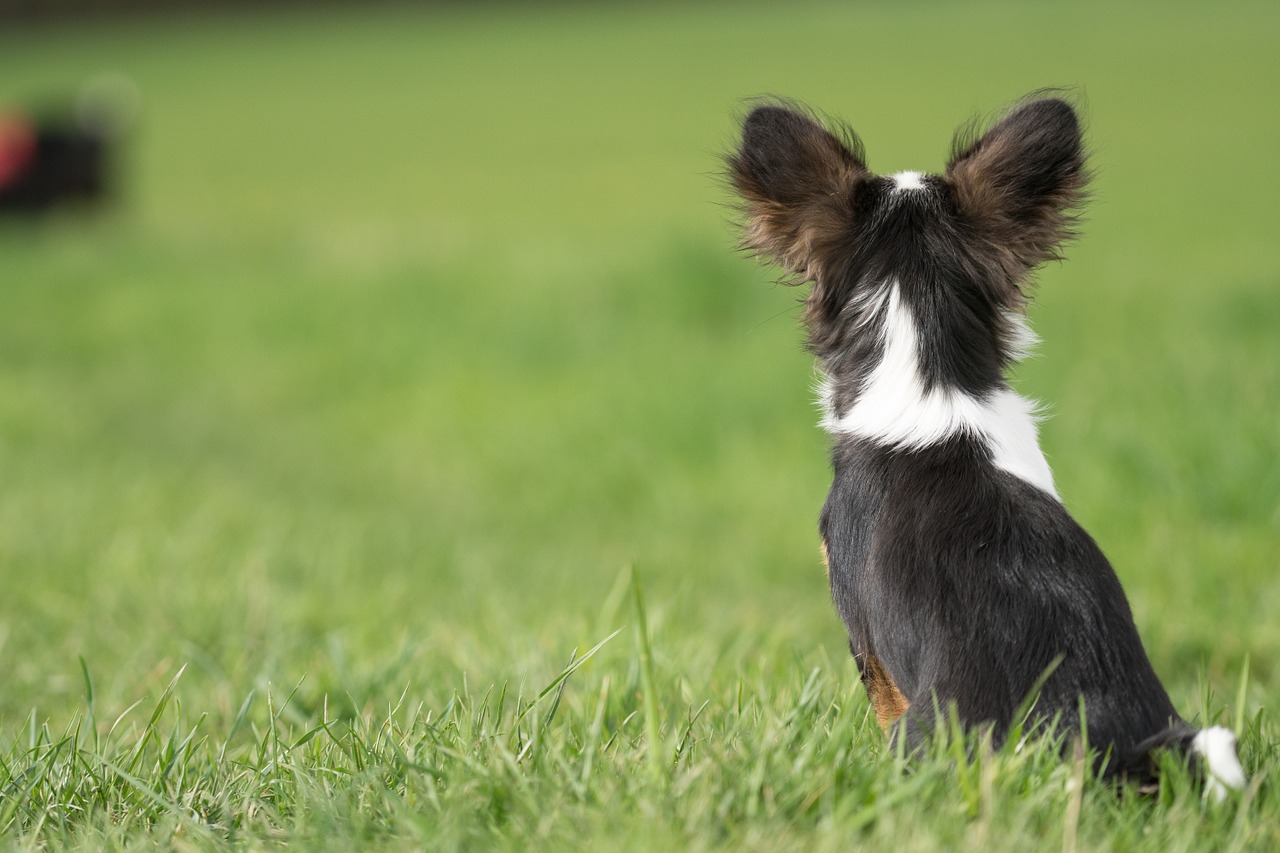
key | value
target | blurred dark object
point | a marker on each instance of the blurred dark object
(45, 163)
(61, 157)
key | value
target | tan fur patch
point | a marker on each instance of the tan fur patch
(886, 699)
(826, 560)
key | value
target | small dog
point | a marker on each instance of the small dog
(960, 576)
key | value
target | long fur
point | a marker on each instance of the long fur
(960, 576)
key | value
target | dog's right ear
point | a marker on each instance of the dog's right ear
(798, 181)
(1021, 184)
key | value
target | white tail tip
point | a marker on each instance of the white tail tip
(1217, 746)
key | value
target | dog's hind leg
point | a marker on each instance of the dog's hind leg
(912, 732)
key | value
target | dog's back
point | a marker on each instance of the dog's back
(967, 584)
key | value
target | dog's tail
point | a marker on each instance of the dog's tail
(1213, 750)
(1216, 748)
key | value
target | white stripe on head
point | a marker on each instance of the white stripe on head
(893, 408)
(908, 181)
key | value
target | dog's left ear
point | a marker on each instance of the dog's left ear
(798, 181)
(1020, 184)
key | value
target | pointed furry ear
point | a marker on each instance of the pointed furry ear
(798, 181)
(1021, 183)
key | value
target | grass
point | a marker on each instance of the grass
(326, 455)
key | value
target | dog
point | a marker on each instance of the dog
(960, 576)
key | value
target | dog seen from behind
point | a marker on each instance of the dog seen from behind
(960, 576)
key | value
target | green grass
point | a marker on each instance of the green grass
(326, 456)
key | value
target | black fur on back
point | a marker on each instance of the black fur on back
(967, 584)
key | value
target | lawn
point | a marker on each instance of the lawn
(416, 364)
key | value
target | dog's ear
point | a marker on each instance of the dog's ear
(1021, 183)
(798, 181)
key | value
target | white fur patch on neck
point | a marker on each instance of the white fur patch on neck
(894, 409)
(908, 181)
(1020, 340)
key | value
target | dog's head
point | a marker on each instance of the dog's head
(958, 247)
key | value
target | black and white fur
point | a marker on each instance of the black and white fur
(959, 574)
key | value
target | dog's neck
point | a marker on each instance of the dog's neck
(895, 407)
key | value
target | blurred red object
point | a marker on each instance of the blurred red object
(17, 147)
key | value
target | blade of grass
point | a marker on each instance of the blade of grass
(649, 696)
(574, 665)
(1241, 693)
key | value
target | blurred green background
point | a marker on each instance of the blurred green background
(415, 326)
